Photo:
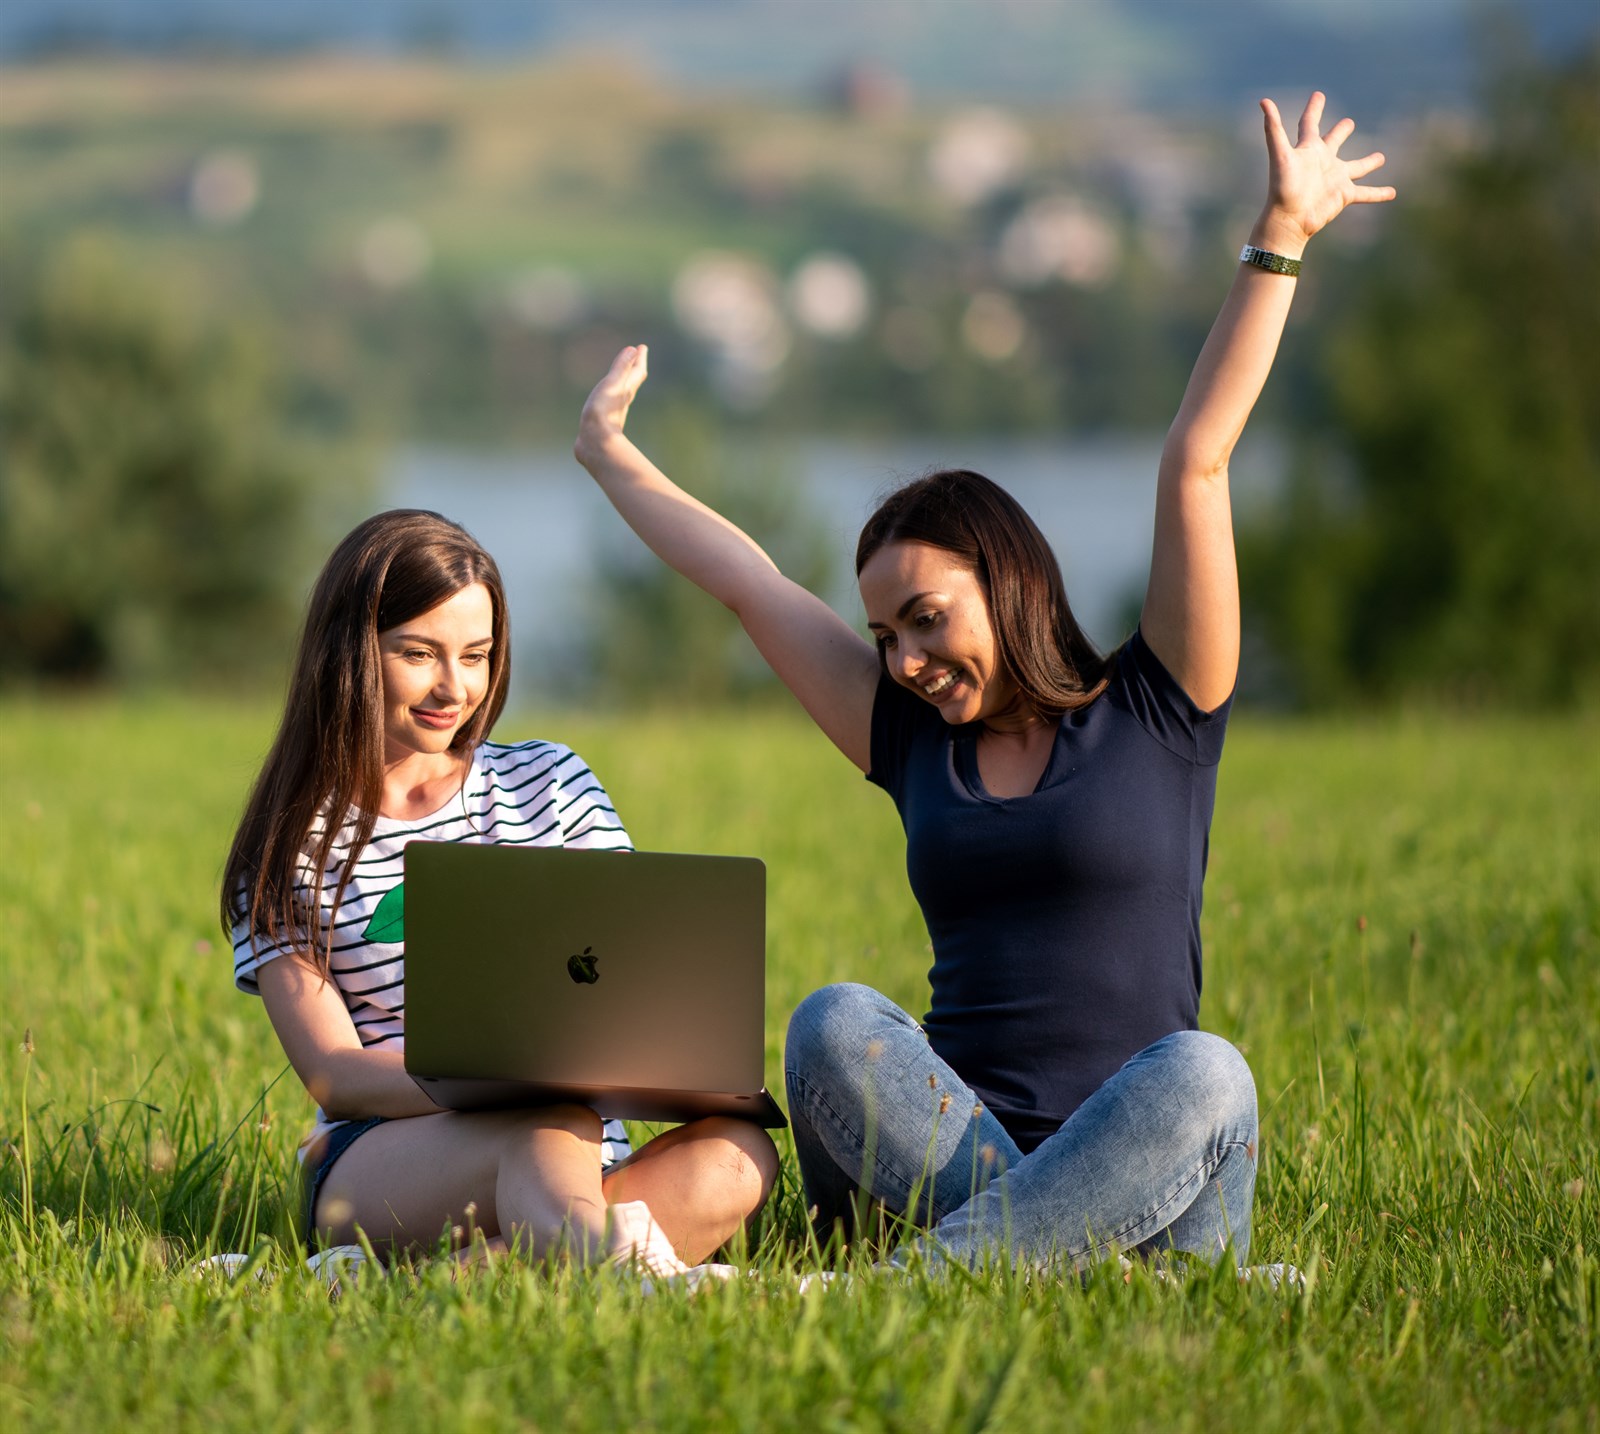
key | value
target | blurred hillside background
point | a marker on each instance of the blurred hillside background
(265, 268)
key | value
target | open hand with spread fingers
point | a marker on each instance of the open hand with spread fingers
(1308, 184)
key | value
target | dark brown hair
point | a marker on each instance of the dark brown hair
(1055, 666)
(326, 763)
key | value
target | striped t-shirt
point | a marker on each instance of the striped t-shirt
(526, 794)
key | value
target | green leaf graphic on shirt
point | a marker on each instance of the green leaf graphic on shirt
(389, 920)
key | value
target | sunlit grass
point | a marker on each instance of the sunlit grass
(1402, 926)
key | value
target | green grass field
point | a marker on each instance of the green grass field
(1402, 933)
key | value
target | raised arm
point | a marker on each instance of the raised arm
(830, 668)
(1191, 608)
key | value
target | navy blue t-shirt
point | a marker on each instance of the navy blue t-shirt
(1065, 923)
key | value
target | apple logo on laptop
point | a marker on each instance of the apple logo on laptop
(582, 968)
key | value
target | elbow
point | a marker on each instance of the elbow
(745, 586)
(1196, 462)
(322, 1086)
(355, 1084)
(336, 1093)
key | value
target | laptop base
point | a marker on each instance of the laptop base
(622, 1102)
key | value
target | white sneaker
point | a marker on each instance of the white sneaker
(231, 1265)
(694, 1279)
(1274, 1276)
(638, 1243)
(336, 1263)
(699, 1276)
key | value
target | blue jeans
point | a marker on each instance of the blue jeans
(1162, 1156)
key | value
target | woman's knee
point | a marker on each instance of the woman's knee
(835, 1024)
(752, 1158)
(1215, 1074)
(735, 1166)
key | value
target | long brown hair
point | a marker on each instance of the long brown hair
(1055, 666)
(326, 763)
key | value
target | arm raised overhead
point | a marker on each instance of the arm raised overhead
(830, 668)
(1191, 608)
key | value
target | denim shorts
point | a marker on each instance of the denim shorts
(340, 1139)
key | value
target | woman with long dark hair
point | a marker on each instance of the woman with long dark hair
(1059, 1101)
(401, 675)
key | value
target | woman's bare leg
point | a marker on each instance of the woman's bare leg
(702, 1182)
(533, 1179)
(529, 1175)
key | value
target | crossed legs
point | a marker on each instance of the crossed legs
(1162, 1156)
(533, 1178)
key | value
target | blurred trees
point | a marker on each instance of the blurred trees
(456, 252)
(153, 508)
(1453, 547)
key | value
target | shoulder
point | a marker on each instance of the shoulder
(536, 760)
(499, 757)
(1140, 685)
(547, 789)
(531, 768)
(900, 722)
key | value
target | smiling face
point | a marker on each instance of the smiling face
(436, 670)
(930, 617)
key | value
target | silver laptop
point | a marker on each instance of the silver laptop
(632, 982)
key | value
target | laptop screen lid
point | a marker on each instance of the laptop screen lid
(632, 982)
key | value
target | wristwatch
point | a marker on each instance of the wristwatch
(1266, 259)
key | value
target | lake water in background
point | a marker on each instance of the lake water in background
(553, 533)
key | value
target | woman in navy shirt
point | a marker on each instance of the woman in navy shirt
(1059, 1102)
